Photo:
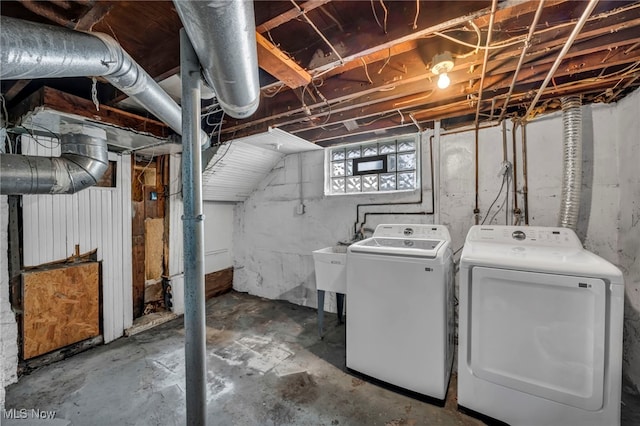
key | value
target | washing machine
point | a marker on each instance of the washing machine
(400, 308)
(540, 329)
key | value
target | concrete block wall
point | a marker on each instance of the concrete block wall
(272, 245)
(8, 327)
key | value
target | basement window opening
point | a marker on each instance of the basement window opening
(386, 165)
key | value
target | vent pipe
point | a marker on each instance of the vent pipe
(572, 161)
(31, 50)
(82, 164)
(223, 35)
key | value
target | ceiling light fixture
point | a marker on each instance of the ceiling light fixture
(442, 64)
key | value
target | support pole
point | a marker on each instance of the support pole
(193, 226)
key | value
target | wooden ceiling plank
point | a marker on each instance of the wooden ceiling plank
(43, 9)
(279, 65)
(289, 15)
(93, 16)
(15, 90)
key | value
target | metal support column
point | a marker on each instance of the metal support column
(193, 226)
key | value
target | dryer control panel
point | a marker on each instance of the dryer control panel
(525, 235)
(412, 231)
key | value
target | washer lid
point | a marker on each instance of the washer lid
(398, 246)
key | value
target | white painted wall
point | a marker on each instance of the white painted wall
(218, 236)
(629, 232)
(8, 327)
(95, 218)
(273, 245)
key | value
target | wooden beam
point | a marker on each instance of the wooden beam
(279, 65)
(15, 89)
(56, 100)
(289, 15)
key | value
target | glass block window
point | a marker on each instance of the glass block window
(400, 173)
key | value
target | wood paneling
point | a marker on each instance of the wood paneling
(95, 218)
(154, 248)
(217, 283)
(61, 306)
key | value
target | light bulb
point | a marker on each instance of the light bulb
(443, 81)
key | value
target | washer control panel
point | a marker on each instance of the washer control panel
(412, 231)
(525, 235)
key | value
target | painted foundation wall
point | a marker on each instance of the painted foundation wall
(273, 244)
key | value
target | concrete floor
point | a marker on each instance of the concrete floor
(266, 367)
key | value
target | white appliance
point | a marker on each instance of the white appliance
(400, 307)
(540, 330)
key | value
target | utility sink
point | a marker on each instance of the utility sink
(331, 275)
(331, 269)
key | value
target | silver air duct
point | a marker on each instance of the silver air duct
(30, 50)
(82, 164)
(222, 33)
(572, 161)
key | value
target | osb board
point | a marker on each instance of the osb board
(217, 283)
(61, 307)
(153, 248)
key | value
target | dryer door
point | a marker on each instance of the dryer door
(542, 334)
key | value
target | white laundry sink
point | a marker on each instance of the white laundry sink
(331, 269)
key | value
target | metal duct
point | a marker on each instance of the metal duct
(82, 163)
(222, 33)
(32, 50)
(572, 161)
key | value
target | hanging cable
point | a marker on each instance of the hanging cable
(386, 14)
(504, 180)
(375, 15)
(366, 70)
(415, 20)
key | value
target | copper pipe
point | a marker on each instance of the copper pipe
(525, 182)
(494, 5)
(572, 37)
(516, 210)
(527, 44)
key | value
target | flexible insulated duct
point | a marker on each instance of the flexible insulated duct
(32, 50)
(82, 163)
(572, 161)
(222, 33)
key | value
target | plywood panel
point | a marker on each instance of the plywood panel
(61, 307)
(53, 225)
(154, 247)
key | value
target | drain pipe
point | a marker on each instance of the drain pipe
(193, 238)
(572, 161)
(31, 50)
(83, 161)
(223, 35)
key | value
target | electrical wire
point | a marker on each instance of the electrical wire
(478, 46)
(366, 70)
(375, 15)
(385, 62)
(415, 20)
(492, 47)
(504, 179)
(386, 13)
